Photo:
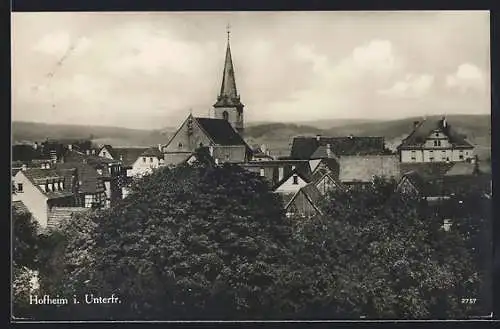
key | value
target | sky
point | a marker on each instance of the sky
(150, 70)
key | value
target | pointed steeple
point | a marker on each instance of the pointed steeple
(228, 95)
(228, 87)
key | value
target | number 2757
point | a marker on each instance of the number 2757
(469, 300)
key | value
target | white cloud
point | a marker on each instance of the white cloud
(412, 86)
(152, 53)
(467, 76)
(56, 43)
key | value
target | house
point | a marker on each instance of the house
(227, 145)
(362, 169)
(297, 178)
(304, 203)
(148, 160)
(325, 147)
(40, 190)
(91, 190)
(434, 141)
(110, 172)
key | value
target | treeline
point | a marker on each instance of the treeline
(214, 243)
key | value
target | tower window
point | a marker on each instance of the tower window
(225, 115)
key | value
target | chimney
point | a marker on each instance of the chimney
(216, 161)
(444, 123)
(351, 136)
(415, 124)
(328, 150)
(318, 137)
(70, 147)
(263, 148)
(35, 146)
(88, 152)
(121, 157)
(93, 151)
(24, 167)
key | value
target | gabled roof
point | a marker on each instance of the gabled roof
(221, 132)
(423, 129)
(305, 147)
(311, 192)
(41, 176)
(417, 181)
(301, 170)
(127, 155)
(363, 168)
(153, 152)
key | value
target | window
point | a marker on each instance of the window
(151, 160)
(103, 153)
(414, 155)
(144, 159)
(262, 173)
(180, 145)
(461, 155)
(20, 187)
(436, 134)
(295, 179)
(225, 115)
(431, 159)
(447, 225)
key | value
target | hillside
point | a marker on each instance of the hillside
(277, 136)
(116, 136)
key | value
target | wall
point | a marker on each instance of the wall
(302, 206)
(440, 155)
(33, 198)
(189, 142)
(140, 167)
(230, 153)
(288, 185)
(437, 136)
(234, 118)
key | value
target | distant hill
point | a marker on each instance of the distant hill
(116, 136)
(277, 136)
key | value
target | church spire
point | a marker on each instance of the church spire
(228, 87)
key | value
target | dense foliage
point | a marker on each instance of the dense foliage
(212, 242)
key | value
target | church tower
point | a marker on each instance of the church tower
(228, 105)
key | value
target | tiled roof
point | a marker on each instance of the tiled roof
(426, 169)
(305, 147)
(364, 168)
(221, 132)
(153, 152)
(58, 215)
(75, 156)
(127, 155)
(26, 152)
(42, 176)
(423, 129)
(311, 192)
(461, 168)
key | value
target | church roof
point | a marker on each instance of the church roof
(423, 129)
(228, 93)
(221, 132)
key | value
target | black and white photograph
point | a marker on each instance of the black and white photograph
(251, 166)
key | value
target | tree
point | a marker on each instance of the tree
(25, 247)
(381, 255)
(188, 243)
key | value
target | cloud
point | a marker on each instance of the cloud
(153, 53)
(340, 86)
(56, 43)
(467, 77)
(412, 86)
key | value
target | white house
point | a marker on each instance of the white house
(432, 141)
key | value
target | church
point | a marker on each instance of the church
(220, 134)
